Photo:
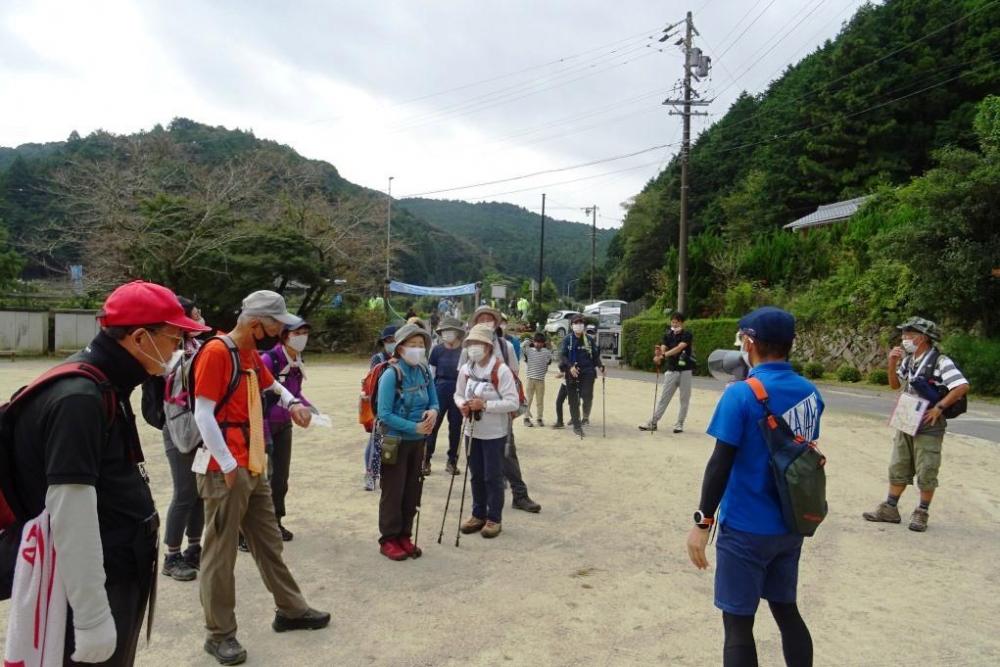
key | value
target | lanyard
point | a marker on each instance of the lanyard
(913, 375)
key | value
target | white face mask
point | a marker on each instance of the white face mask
(909, 345)
(449, 336)
(298, 343)
(413, 355)
(476, 352)
(578, 329)
(676, 329)
(165, 366)
(746, 356)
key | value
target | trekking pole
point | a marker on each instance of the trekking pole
(604, 407)
(447, 501)
(465, 479)
(420, 493)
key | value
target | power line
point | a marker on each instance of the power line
(740, 36)
(567, 182)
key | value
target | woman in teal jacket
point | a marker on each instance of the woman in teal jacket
(407, 410)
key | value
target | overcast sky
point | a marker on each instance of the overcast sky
(438, 94)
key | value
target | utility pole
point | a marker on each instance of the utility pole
(388, 231)
(696, 65)
(541, 253)
(593, 249)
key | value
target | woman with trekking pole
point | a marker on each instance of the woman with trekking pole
(385, 345)
(487, 395)
(407, 411)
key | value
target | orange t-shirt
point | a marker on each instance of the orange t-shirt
(212, 372)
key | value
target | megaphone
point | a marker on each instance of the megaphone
(727, 366)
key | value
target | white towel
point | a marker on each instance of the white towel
(36, 625)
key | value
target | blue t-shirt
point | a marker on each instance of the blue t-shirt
(445, 363)
(750, 503)
(516, 343)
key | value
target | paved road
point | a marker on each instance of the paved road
(981, 421)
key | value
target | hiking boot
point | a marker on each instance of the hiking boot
(918, 520)
(243, 546)
(585, 422)
(452, 469)
(540, 423)
(527, 504)
(472, 525)
(311, 620)
(175, 567)
(426, 470)
(884, 513)
(647, 427)
(527, 422)
(578, 430)
(391, 550)
(411, 549)
(227, 652)
(286, 535)
(678, 429)
(369, 482)
(490, 530)
(559, 425)
(192, 555)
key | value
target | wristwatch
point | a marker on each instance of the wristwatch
(702, 521)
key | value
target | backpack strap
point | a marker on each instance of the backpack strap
(760, 393)
(71, 369)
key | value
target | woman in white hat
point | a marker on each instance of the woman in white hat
(486, 395)
(444, 367)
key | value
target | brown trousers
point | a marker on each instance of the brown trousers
(247, 507)
(400, 491)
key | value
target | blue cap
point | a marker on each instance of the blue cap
(388, 331)
(769, 324)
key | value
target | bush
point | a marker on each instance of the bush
(640, 334)
(814, 370)
(848, 373)
(796, 366)
(978, 359)
(350, 330)
(879, 376)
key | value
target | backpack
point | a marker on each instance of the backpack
(368, 402)
(178, 400)
(522, 401)
(152, 402)
(798, 467)
(12, 514)
(932, 391)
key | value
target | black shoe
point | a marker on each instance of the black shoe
(647, 427)
(452, 469)
(527, 504)
(192, 555)
(426, 470)
(311, 620)
(527, 422)
(243, 546)
(175, 567)
(578, 430)
(678, 430)
(286, 535)
(540, 423)
(559, 425)
(585, 422)
(227, 651)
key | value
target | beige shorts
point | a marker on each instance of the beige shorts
(918, 455)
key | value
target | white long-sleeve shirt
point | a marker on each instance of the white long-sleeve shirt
(474, 381)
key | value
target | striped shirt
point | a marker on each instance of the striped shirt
(538, 361)
(945, 371)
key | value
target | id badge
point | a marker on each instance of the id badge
(201, 459)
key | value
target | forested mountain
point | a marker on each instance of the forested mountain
(510, 235)
(893, 97)
(209, 211)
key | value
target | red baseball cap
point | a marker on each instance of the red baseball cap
(139, 302)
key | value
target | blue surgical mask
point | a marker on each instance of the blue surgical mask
(390, 348)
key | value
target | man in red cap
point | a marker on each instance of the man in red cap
(76, 453)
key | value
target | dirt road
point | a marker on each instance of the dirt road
(601, 576)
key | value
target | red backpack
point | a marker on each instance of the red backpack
(367, 404)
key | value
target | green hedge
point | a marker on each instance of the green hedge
(979, 361)
(640, 334)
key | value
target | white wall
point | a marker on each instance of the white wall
(24, 332)
(75, 329)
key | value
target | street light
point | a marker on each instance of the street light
(575, 280)
(388, 231)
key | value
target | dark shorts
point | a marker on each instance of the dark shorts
(751, 567)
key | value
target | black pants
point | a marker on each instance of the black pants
(400, 491)
(187, 511)
(581, 388)
(512, 468)
(446, 397)
(128, 596)
(281, 464)
(560, 399)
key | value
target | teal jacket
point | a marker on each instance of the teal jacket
(401, 409)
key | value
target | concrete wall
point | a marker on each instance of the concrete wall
(74, 329)
(24, 332)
